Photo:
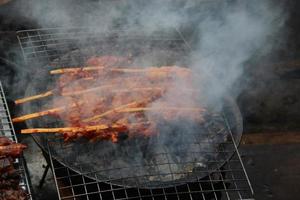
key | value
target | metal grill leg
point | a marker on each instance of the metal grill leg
(42, 181)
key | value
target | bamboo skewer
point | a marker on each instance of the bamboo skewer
(138, 89)
(109, 112)
(67, 70)
(101, 127)
(106, 127)
(76, 69)
(42, 95)
(119, 69)
(163, 70)
(118, 109)
(125, 109)
(114, 110)
(38, 114)
(191, 109)
(31, 98)
(43, 113)
(80, 92)
(146, 84)
(96, 68)
(45, 94)
(73, 93)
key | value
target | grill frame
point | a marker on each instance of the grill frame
(39, 44)
(7, 129)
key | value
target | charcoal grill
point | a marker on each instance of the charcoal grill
(7, 129)
(220, 175)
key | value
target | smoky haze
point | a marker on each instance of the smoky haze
(223, 37)
(227, 40)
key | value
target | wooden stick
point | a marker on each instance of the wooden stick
(109, 112)
(43, 113)
(73, 93)
(76, 69)
(31, 98)
(94, 68)
(69, 70)
(51, 92)
(138, 89)
(192, 109)
(38, 114)
(101, 127)
(42, 95)
(114, 110)
(47, 112)
(119, 69)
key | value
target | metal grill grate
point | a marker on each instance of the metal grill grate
(6, 129)
(44, 47)
(228, 182)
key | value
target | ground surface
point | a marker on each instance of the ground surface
(273, 170)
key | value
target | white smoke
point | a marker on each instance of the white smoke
(228, 39)
(224, 35)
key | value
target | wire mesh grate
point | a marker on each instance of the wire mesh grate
(44, 47)
(7, 130)
(228, 182)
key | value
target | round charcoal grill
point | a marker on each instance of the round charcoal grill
(184, 152)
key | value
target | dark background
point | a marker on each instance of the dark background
(269, 102)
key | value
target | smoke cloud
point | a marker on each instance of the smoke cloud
(222, 36)
(230, 38)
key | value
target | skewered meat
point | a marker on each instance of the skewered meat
(5, 141)
(7, 167)
(8, 183)
(9, 148)
(13, 194)
(109, 101)
(71, 74)
(9, 176)
(12, 150)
